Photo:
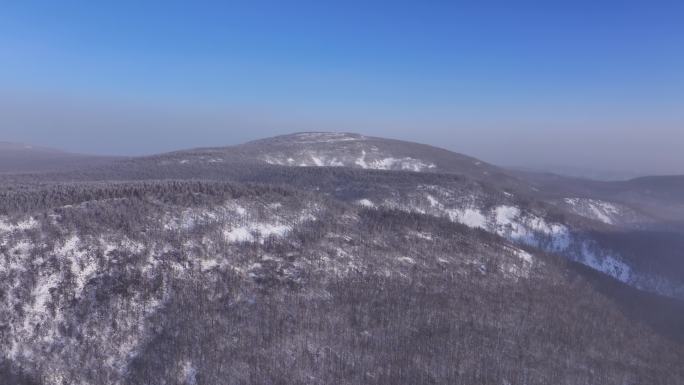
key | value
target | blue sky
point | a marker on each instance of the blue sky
(513, 82)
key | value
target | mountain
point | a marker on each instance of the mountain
(586, 221)
(22, 158)
(583, 172)
(609, 226)
(660, 197)
(318, 258)
(327, 149)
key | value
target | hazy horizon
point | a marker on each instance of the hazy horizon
(561, 169)
(579, 86)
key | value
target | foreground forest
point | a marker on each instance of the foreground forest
(156, 283)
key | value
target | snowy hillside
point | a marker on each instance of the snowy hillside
(313, 256)
(531, 227)
(186, 281)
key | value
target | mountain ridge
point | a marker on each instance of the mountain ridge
(221, 263)
(24, 158)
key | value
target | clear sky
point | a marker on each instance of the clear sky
(584, 83)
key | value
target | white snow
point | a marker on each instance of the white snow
(422, 235)
(408, 164)
(368, 157)
(41, 295)
(605, 262)
(254, 231)
(468, 216)
(83, 265)
(239, 234)
(327, 137)
(391, 163)
(523, 255)
(7, 227)
(272, 160)
(266, 229)
(238, 209)
(208, 264)
(505, 220)
(605, 212)
(317, 161)
(21, 248)
(433, 201)
(530, 229)
(361, 161)
(366, 203)
(505, 215)
(407, 260)
(305, 159)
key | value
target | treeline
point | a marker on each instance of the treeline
(23, 199)
(340, 181)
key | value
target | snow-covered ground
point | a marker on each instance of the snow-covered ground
(605, 212)
(326, 137)
(348, 151)
(532, 229)
(7, 227)
(256, 231)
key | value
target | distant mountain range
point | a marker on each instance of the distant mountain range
(22, 158)
(582, 172)
(336, 257)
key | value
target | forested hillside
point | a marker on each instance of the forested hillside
(183, 269)
(183, 282)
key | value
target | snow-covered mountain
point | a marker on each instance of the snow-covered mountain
(311, 256)
(585, 221)
(576, 220)
(330, 149)
(339, 150)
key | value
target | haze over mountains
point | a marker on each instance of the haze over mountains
(334, 257)
(18, 158)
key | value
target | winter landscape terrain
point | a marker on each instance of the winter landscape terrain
(334, 258)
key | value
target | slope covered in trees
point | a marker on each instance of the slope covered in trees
(190, 282)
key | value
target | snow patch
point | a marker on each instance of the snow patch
(7, 227)
(41, 295)
(254, 231)
(523, 255)
(595, 209)
(327, 137)
(361, 161)
(606, 263)
(468, 216)
(422, 235)
(407, 260)
(433, 202)
(366, 203)
(530, 229)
